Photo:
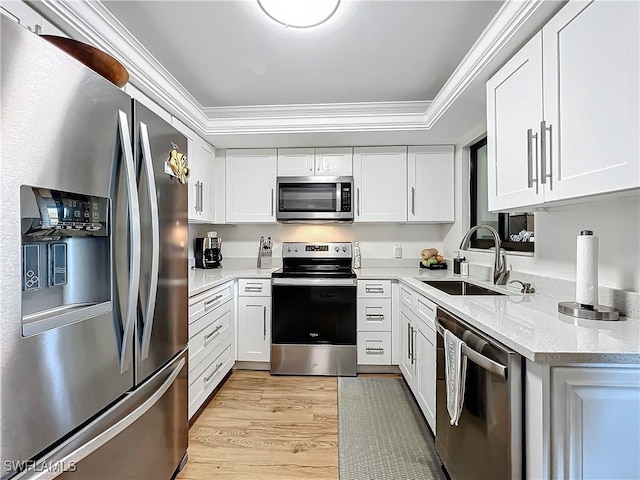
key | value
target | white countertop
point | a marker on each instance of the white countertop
(528, 324)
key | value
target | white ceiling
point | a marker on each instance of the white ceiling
(229, 53)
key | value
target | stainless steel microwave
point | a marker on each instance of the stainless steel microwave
(314, 199)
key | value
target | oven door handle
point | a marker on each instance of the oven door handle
(315, 282)
(480, 360)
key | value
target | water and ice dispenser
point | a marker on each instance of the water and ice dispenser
(66, 258)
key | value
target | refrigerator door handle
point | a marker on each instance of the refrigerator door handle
(66, 461)
(134, 240)
(155, 241)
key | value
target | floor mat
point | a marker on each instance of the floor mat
(382, 434)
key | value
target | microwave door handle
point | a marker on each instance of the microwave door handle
(338, 197)
(155, 241)
(134, 240)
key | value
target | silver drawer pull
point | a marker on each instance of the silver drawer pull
(374, 289)
(375, 350)
(207, 337)
(375, 316)
(252, 289)
(206, 379)
(213, 300)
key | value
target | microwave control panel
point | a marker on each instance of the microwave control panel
(345, 197)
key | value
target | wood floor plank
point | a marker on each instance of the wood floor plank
(259, 426)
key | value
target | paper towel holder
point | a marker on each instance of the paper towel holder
(588, 312)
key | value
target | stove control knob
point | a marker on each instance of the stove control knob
(295, 249)
(337, 249)
(344, 248)
(289, 249)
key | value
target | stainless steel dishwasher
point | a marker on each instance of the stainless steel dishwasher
(487, 443)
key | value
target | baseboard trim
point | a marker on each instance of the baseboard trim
(378, 369)
(252, 366)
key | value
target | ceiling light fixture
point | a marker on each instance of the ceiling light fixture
(299, 13)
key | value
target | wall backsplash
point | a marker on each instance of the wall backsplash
(376, 241)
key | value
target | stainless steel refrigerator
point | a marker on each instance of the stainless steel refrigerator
(93, 290)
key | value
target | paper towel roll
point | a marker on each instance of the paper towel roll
(587, 268)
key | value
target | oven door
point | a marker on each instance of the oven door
(314, 198)
(313, 311)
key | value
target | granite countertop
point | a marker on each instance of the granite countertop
(201, 280)
(529, 324)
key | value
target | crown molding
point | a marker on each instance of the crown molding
(509, 19)
(311, 118)
(92, 22)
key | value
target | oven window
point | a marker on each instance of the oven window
(313, 315)
(317, 197)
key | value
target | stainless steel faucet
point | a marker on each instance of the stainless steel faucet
(500, 272)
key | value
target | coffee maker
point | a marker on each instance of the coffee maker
(208, 251)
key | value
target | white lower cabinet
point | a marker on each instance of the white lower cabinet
(212, 342)
(418, 350)
(374, 322)
(254, 321)
(582, 421)
(425, 378)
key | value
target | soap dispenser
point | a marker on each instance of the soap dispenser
(357, 256)
(457, 261)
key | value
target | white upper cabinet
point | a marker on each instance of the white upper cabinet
(430, 184)
(305, 162)
(563, 115)
(201, 157)
(250, 185)
(380, 175)
(295, 162)
(591, 81)
(514, 113)
(334, 161)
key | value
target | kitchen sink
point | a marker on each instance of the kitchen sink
(460, 287)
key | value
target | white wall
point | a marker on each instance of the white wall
(616, 222)
(376, 241)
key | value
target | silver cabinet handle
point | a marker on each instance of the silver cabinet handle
(264, 323)
(252, 289)
(368, 289)
(530, 178)
(134, 240)
(408, 341)
(413, 200)
(195, 207)
(272, 200)
(155, 241)
(375, 316)
(358, 200)
(210, 376)
(207, 337)
(413, 345)
(198, 197)
(201, 197)
(375, 350)
(212, 301)
(543, 153)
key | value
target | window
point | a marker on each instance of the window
(516, 230)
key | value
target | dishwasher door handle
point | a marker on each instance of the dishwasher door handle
(479, 359)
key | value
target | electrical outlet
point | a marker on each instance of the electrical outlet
(397, 251)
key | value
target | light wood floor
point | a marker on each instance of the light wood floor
(264, 427)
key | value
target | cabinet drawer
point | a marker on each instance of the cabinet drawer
(426, 311)
(204, 378)
(374, 314)
(254, 287)
(205, 302)
(206, 333)
(374, 288)
(407, 296)
(374, 348)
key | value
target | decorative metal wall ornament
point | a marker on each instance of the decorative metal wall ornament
(177, 165)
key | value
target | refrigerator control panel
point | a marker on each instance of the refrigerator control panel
(46, 213)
